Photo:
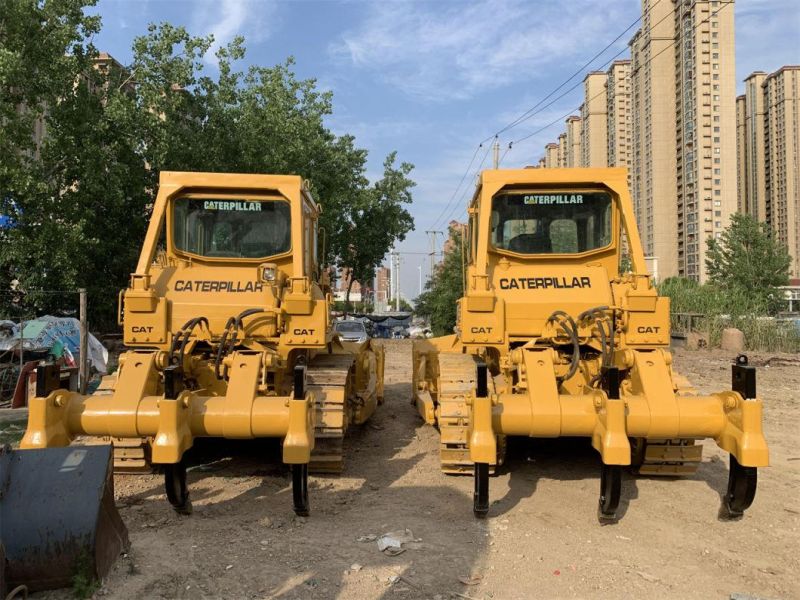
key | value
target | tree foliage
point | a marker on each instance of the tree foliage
(377, 218)
(79, 204)
(439, 300)
(747, 261)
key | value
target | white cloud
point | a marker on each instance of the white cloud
(225, 19)
(447, 51)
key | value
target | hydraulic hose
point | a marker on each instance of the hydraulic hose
(567, 324)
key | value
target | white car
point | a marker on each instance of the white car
(351, 331)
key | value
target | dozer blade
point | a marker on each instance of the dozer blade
(57, 516)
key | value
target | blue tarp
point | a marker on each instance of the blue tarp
(39, 335)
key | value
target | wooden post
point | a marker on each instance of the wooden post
(83, 365)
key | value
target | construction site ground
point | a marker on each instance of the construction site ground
(542, 538)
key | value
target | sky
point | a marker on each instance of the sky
(432, 79)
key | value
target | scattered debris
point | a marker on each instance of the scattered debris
(355, 567)
(471, 579)
(648, 577)
(370, 537)
(391, 543)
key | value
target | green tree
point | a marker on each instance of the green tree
(75, 198)
(377, 219)
(747, 261)
(439, 300)
(79, 204)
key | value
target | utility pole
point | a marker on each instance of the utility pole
(420, 280)
(496, 153)
(392, 282)
(432, 234)
(397, 287)
(83, 364)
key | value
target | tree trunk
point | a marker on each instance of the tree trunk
(347, 294)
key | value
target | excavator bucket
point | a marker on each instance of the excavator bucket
(58, 519)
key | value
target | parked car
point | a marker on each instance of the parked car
(351, 331)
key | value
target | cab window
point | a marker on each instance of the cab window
(231, 227)
(550, 222)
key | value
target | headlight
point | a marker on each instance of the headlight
(269, 272)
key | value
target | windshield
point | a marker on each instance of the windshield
(231, 228)
(551, 222)
(350, 327)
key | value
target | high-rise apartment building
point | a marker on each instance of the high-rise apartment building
(573, 158)
(601, 135)
(562, 150)
(705, 113)
(683, 156)
(741, 158)
(768, 153)
(618, 97)
(594, 121)
(653, 156)
(782, 162)
(551, 156)
(751, 152)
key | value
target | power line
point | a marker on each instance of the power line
(648, 61)
(576, 85)
(449, 202)
(527, 114)
(467, 189)
(530, 112)
(508, 149)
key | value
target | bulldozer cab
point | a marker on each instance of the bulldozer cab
(220, 244)
(547, 222)
(240, 228)
(542, 240)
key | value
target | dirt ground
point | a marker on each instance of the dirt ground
(541, 540)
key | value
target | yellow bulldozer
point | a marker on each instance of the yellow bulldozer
(227, 321)
(554, 338)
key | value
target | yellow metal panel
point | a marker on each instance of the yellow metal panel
(610, 438)
(650, 374)
(482, 439)
(173, 437)
(299, 440)
(543, 392)
(244, 377)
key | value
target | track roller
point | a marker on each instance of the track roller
(610, 492)
(300, 490)
(742, 483)
(177, 490)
